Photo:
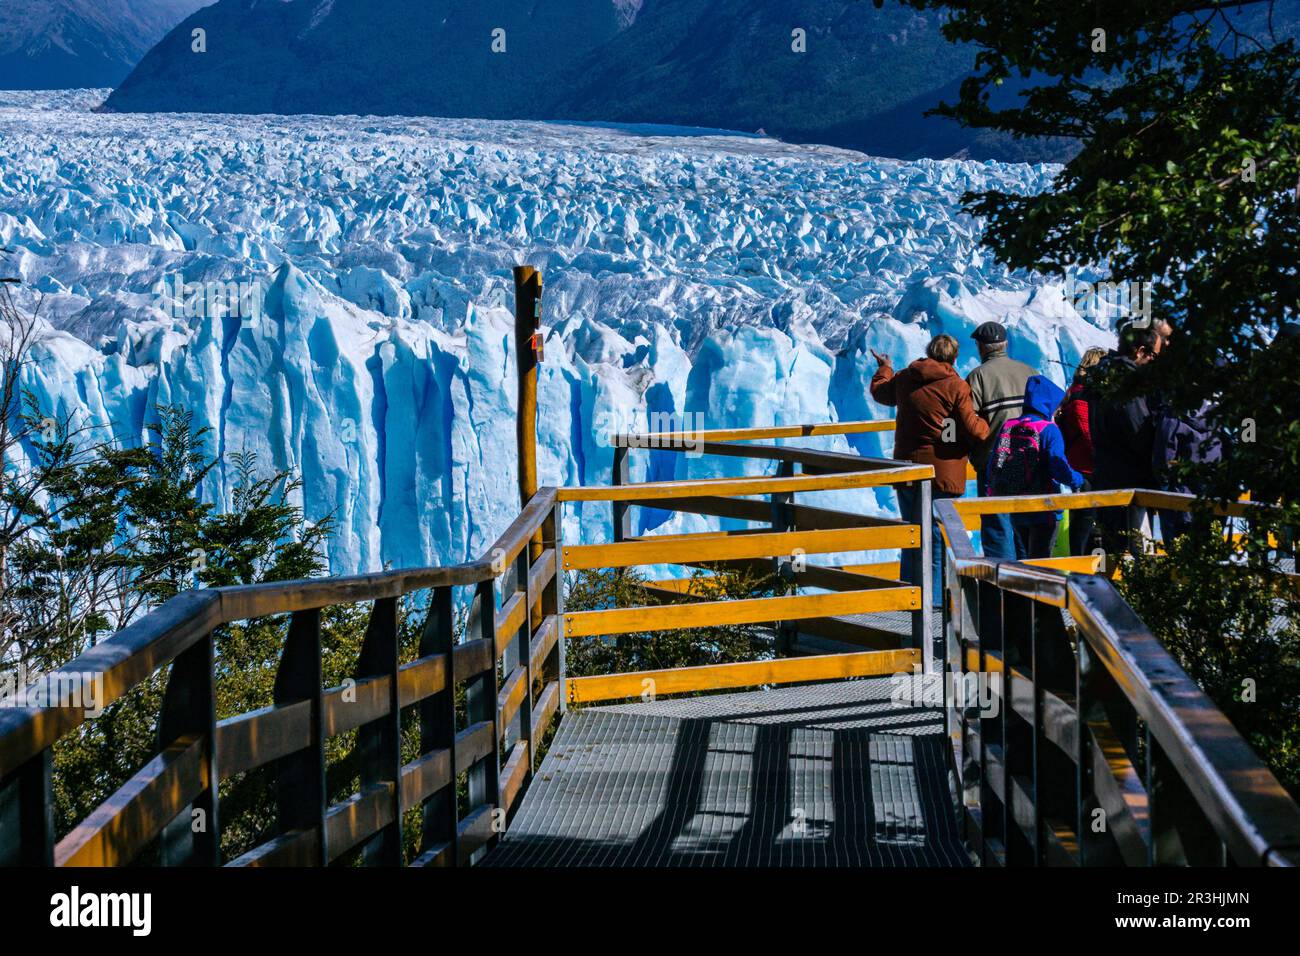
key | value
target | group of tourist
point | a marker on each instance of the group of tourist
(1024, 435)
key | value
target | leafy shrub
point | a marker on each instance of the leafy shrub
(1233, 624)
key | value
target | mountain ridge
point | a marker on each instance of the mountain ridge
(58, 44)
(408, 57)
(725, 64)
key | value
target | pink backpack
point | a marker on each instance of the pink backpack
(1017, 459)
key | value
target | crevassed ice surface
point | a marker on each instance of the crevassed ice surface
(730, 276)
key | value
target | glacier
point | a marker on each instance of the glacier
(735, 277)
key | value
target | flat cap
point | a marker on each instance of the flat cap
(989, 333)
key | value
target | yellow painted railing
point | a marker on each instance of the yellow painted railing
(793, 532)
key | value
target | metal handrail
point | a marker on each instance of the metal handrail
(1250, 813)
(184, 775)
(134, 653)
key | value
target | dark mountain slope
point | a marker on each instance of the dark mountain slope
(865, 81)
(420, 57)
(64, 44)
(729, 63)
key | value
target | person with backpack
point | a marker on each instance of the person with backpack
(1028, 458)
(997, 388)
(1123, 429)
(1072, 418)
(936, 426)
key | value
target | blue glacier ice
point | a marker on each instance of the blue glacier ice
(739, 278)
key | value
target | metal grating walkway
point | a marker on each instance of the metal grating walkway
(822, 775)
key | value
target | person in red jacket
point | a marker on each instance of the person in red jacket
(1072, 419)
(936, 425)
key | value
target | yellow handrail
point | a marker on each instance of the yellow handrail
(675, 441)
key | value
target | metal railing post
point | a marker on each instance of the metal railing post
(923, 577)
(953, 664)
(1084, 803)
(1038, 678)
(970, 640)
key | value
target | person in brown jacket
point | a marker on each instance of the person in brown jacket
(936, 425)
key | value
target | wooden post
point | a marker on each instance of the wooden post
(528, 353)
(622, 476)
(379, 743)
(528, 322)
(27, 813)
(438, 731)
(190, 708)
(481, 706)
(300, 792)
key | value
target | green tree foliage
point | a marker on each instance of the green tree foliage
(1187, 176)
(69, 578)
(166, 510)
(105, 534)
(237, 541)
(1187, 115)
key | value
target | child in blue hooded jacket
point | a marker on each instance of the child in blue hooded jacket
(1028, 458)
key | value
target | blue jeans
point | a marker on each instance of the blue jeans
(907, 509)
(997, 539)
(1034, 536)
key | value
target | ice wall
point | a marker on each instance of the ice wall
(733, 277)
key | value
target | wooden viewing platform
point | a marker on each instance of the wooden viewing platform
(819, 768)
(803, 757)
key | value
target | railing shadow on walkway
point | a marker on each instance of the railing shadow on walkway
(702, 817)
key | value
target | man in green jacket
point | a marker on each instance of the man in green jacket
(997, 388)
